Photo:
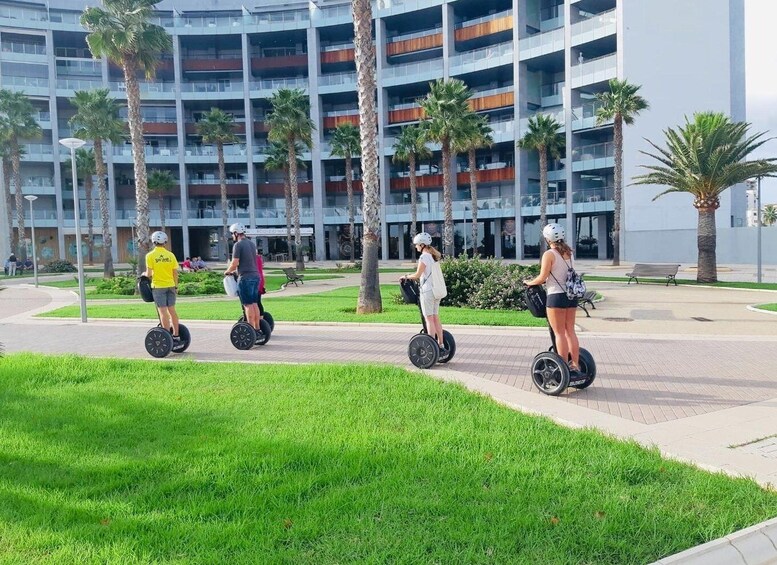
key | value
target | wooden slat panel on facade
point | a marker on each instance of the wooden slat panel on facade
(341, 56)
(406, 115)
(503, 100)
(415, 44)
(331, 122)
(435, 181)
(340, 186)
(259, 63)
(212, 64)
(485, 28)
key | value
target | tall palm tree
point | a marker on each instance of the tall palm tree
(218, 128)
(85, 169)
(122, 31)
(290, 123)
(5, 155)
(410, 147)
(369, 290)
(277, 159)
(476, 135)
(97, 119)
(17, 119)
(769, 215)
(703, 158)
(160, 183)
(621, 105)
(545, 137)
(346, 143)
(446, 107)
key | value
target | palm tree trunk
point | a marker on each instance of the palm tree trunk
(295, 204)
(7, 170)
(543, 194)
(138, 155)
(287, 195)
(16, 160)
(369, 300)
(707, 267)
(447, 234)
(349, 190)
(473, 189)
(105, 216)
(618, 191)
(89, 220)
(413, 202)
(223, 190)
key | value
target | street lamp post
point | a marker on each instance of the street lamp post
(74, 143)
(756, 187)
(464, 217)
(32, 198)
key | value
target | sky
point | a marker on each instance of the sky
(761, 61)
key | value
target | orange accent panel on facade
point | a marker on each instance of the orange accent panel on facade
(462, 179)
(415, 44)
(331, 122)
(160, 128)
(503, 100)
(405, 115)
(215, 190)
(485, 28)
(191, 129)
(260, 63)
(340, 56)
(340, 186)
(212, 65)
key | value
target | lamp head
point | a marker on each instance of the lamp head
(31, 197)
(72, 142)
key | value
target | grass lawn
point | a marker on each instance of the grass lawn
(769, 307)
(720, 284)
(118, 461)
(331, 306)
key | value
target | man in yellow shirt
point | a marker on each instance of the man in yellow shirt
(162, 269)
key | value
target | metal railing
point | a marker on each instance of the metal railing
(431, 66)
(232, 86)
(483, 19)
(126, 151)
(599, 194)
(276, 83)
(336, 79)
(210, 150)
(25, 81)
(594, 151)
(607, 66)
(23, 48)
(78, 84)
(484, 54)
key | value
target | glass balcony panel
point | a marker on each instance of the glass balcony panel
(483, 19)
(541, 44)
(493, 55)
(595, 70)
(595, 27)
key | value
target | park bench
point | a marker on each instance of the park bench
(587, 299)
(292, 276)
(647, 270)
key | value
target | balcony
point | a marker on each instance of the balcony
(492, 172)
(148, 90)
(596, 70)
(595, 27)
(279, 21)
(523, 124)
(496, 207)
(484, 58)
(339, 53)
(37, 151)
(235, 188)
(211, 90)
(336, 82)
(541, 44)
(30, 85)
(552, 18)
(552, 94)
(557, 200)
(412, 42)
(339, 214)
(278, 58)
(404, 113)
(584, 117)
(23, 51)
(492, 99)
(594, 156)
(413, 72)
(267, 87)
(71, 85)
(43, 119)
(337, 117)
(486, 25)
(503, 130)
(230, 61)
(340, 185)
(153, 154)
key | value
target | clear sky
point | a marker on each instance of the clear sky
(761, 53)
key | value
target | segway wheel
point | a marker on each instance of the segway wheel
(267, 316)
(186, 339)
(264, 333)
(423, 351)
(450, 347)
(550, 373)
(242, 336)
(588, 368)
(159, 342)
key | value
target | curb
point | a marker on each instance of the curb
(755, 308)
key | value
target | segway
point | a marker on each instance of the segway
(243, 335)
(550, 373)
(159, 341)
(424, 351)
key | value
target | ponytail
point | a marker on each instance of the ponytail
(562, 247)
(436, 255)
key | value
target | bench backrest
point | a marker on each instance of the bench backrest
(645, 269)
(290, 272)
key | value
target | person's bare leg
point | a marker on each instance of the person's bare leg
(174, 319)
(252, 315)
(557, 320)
(438, 330)
(572, 342)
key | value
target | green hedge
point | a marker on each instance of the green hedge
(485, 284)
(189, 284)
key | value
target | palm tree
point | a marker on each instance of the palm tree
(18, 121)
(621, 105)
(160, 183)
(122, 31)
(410, 147)
(703, 158)
(5, 155)
(85, 169)
(277, 159)
(769, 215)
(446, 107)
(346, 143)
(97, 119)
(290, 123)
(545, 137)
(477, 134)
(218, 128)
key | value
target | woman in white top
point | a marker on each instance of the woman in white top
(561, 310)
(430, 307)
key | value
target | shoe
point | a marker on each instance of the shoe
(177, 339)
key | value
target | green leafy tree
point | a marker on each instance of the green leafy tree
(160, 183)
(346, 143)
(769, 215)
(622, 105)
(703, 158)
(277, 159)
(5, 155)
(122, 31)
(476, 135)
(85, 169)
(410, 147)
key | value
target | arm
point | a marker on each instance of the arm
(232, 267)
(175, 277)
(545, 266)
(418, 272)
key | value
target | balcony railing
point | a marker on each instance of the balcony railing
(22, 14)
(215, 180)
(531, 200)
(600, 194)
(78, 84)
(31, 149)
(542, 43)
(210, 55)
(153, 116)
(593, 151)
(126, 151)
(337, 79)
(23, 48)
(595, 70)
(485, 55)
(336, 113)
(38, 182)
(599, 25)
(337, 46)
(282, 17)
(431, 66)
(210, 150)
(414, 35)
(25, 81)
(280, 213)
(212, 87)
(483, 19)
(341, 11)
(584, 116)
(73, 52)
(276, 83)
(144, 86)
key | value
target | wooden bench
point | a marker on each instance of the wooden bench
(292, 276)
(649, 270)
(588, 299)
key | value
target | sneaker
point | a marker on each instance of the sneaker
(177, 339)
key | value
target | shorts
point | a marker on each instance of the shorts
(164, 297)
(561, 300)
(248, 291)
(429, 305)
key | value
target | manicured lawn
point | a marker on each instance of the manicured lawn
(331, 306)
(721, 284)
(117, 461)
(770, 307)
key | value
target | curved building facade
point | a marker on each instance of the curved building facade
(519, 57)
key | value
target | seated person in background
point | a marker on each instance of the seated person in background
(186, 266)
(199, 264)
(28, 264)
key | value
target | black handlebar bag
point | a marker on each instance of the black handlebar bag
(144, 289)
(409, 291)
(536, 301)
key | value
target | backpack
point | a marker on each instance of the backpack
(574, 285)
(439, 290)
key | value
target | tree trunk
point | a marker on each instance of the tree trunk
(543, 195)
(349, 190)
(89, 219)
(707, 267)
(447, 233)
(224, 205)
(413, 203)
(7, 170)
(300, 266)
(287, 195)
(618, 191)
(105, 215)
(369, 300)
(16, 160)
(473, 189)
(138, 155)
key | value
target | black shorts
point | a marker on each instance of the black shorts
(561, 300)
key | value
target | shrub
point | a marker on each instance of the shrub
(60, 267)
(121, 285)
(501, 290)
(486, 284)
(463, 276)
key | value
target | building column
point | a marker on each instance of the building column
(111, 172)
(567, 96)
(602, 236)
(334, 250)
(448, 39)
(384, 165)
(498, 237)
(58, 186)
(319, 188)
(519, 97)
(249, 112)
(181, 133)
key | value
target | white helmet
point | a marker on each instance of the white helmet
(553, 233)
(422, 238)
(159, 238)
(237, 228)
